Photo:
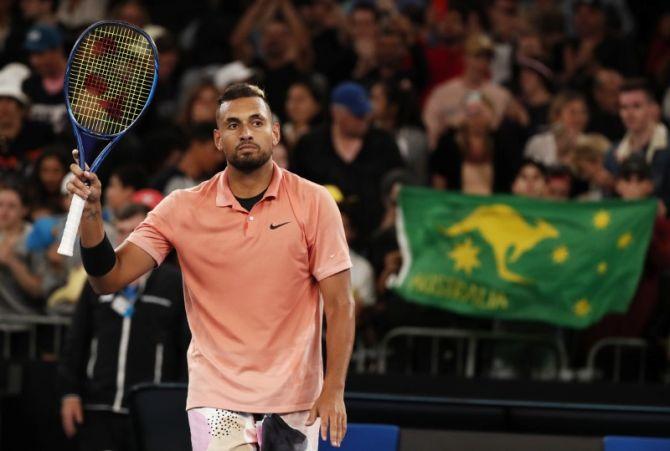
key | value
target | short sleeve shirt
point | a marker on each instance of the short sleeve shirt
(251, 288)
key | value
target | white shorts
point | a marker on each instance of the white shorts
(224, 430)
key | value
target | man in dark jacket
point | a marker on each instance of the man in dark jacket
(117, 341)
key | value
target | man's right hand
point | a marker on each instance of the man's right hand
(86, 185)
(72, 414)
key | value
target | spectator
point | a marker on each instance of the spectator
(200, 104)
(443, 45)
(471, 158)
(201, 160)
(531, 180)
(535, 85)
(164, 106)
(131, 11)
(362, 274)
(38, 12)
(78, 14)
(11, 35)
(587, 166)
(560, 182)
(44, 189)
(350, 153)
(116, 341)
(44, 87)
(604, 117)
(21, 139)
(284, 50)
(280, 156)
(505, 27)
(395, 110)
(595, 46)
(645, 135)
(363, 28)
(123, 183)
(445, 106)
(568, 115)
(20, 287)
(333, 57)
(304, 110)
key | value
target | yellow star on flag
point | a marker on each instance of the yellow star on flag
(601, 219)
(582, 307)
(602, 267)
(464, 256)
(560, 254)
(624, 240)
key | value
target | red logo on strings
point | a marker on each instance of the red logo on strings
(95, 84)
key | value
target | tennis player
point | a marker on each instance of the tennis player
(256, 245)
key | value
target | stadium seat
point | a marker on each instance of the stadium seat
(614, 443)
(159, 417)
(367, 437)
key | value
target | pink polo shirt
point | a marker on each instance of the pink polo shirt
(251, 288)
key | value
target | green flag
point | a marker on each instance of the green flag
(566, 263)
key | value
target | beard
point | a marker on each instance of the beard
(248, 163)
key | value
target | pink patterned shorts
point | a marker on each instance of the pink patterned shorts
(223, 430)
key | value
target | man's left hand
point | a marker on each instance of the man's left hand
(330, 408)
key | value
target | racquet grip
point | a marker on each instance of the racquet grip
(71, 226)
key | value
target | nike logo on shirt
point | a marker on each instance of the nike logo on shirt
(276, 226)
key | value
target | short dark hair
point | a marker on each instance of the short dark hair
(131, 210)
(241, 91)
(536, 164)
(131, 175)
(639, 84)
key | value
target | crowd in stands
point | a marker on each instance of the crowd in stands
(554, 99)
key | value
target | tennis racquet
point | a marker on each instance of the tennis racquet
(111, 76)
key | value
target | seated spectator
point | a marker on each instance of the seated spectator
(645, 135)
(44, 188)
(470, 159)
(531, 180)
(21, 139)
(20, 286)
(568, 115)
(284, 51)
(44, 87)
(587, 166)
(200, 104)
(634, 181)
(351, 154)
(535, 84)
(446, 106)
(560, 181)
(116, 341)
(394, 109)
(200, 160)
(604, 117)
(123, 183)
(304, 109)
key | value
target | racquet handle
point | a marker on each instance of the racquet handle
(71, 226)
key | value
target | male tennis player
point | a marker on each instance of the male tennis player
(256, 245)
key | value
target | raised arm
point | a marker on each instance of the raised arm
(256, 15)
(108, 271)
(300, 33)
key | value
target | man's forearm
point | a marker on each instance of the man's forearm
(92, 227)
(340, 330)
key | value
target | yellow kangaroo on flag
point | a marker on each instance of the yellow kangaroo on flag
(504, 229)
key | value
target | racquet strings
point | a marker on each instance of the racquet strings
(111, 75)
